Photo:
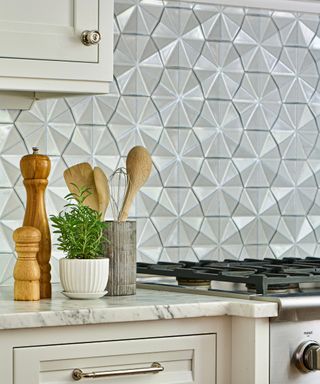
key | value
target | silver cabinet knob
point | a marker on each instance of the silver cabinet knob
(307, 356)
(90, 37)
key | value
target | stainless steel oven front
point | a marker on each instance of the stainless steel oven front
(295, 342)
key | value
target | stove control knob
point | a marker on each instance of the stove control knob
(307, 356)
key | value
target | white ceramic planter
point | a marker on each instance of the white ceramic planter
(87, 276)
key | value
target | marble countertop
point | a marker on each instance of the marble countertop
(145, 305)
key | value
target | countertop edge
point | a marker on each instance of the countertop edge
(88, 315)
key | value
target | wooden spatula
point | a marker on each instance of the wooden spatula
(138, 165)
(82, 175)
(103, 192)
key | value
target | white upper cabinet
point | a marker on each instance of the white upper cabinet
(41, 48)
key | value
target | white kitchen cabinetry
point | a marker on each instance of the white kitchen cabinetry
(41, 48)
(191, 351)
(181, 358)
(212, 350)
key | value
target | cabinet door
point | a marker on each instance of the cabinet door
(41, 48)
(186, 360)
(48, 30)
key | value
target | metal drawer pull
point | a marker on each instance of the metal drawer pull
(90, 37)
(77, 374)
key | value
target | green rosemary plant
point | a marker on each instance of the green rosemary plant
(79, 227)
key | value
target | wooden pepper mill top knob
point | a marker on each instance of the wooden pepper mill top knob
(35, 166)
(26, 235)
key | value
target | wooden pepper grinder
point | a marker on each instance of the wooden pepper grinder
(35, 170)
(26, 271)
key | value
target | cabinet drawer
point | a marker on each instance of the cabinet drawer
(185, 359)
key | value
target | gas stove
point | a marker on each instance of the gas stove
(256, 277)
(291, 282)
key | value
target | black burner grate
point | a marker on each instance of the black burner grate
(260, 275)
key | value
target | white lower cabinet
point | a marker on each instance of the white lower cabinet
(185, 360)
(200, 350)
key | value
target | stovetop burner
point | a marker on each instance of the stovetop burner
(260, 276)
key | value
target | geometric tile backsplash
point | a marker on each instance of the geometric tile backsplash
(227, 100)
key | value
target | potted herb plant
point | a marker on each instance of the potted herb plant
(84, 271)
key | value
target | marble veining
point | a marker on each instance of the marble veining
(146, 305)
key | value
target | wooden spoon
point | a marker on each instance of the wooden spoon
(103, 192)
(82, 175)
(138, 165)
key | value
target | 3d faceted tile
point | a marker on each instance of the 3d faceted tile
(49, 125)
(178, 37)
(137, 65)
(105, 150)
(178, 4)
(314, 159)
(116, 33)
(56, 189)
(314, 103)
(135, 122)
(178, 157)
(177, 217)
(258, 101)
(257, 216)
(79, 148)
(219, 23)
(54, 262)
(178, 98)
(218, 239)
(296, 75)
(257, 159)
(7, 263)
(314, 216)
(315, 167)
(146, 200)
(295, 131)
(294, 187)
(148, 242)
(296, 29)
(97, 110)
(11, 149)
(258, 12)
(219, 70)
(258, 43)
(138, 16)
(315, 47)
(317, 251)
(294, 238)
(218, 187)
(173, 255)
(8, 115)
(218, 128)
(11, 216)
(256, 252)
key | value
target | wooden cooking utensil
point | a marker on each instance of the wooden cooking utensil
(103, 192)
(26, 270)
(82, 176)
(138, 165)
(35, 170)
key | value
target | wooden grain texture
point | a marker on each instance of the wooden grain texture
(27, 271)
(138, 166)
(35, 169)
(103, 191)
(82, 175)
(121, 251)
